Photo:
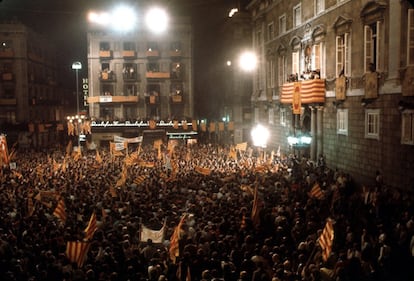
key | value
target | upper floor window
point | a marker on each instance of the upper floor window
(152, 46)
(129, 46)
(271, 73)
(372, 44)
(270, 31)
(297, 15)
(104, 46)
(5, 45)
(295, 62)
(281, 70)
(317, 60)
(319, 6)
(372, 123)
(282, 24)
(342, 122)
(410, 37)
(176, 46)
(343, 58)
(407, 132)
(282, 115)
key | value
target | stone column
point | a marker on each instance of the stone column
(319, 131)
(313, 155)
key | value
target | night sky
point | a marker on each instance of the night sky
(64, 21)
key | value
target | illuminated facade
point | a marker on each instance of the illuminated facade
(341, 72)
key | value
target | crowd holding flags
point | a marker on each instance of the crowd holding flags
(174, 249)
(326, 239)
(157, 236)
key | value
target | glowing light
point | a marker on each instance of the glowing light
(248, 61)
(260, 136)
(157, 20)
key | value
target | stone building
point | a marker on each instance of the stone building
(341, 72)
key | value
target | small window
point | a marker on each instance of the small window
(407, 132)
(295, 62)
(271, 73)
(282, 115)
(342, 122)
(131, 90)
(152, 46)
(319, 6)
(176, 46)
(104, 46)
(372, 123)
(282, 24)
(297, 15)
(372, 47)
(270, 31)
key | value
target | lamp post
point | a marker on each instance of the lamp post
(77, 66)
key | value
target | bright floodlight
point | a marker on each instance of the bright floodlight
(157, 20)
(260, 136)
(248, 61)
(123, 18)
(99, 18)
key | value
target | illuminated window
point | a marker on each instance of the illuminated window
(342, 121)
(343, 51)
(372, 123)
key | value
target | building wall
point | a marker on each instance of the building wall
(353, 152)
(179, 31)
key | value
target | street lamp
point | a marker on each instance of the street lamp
(77, 66)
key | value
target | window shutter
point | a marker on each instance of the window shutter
(379, 49)
(339, 55)
(347, 54)
(410, 37)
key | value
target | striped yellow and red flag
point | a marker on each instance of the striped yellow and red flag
(326, 239)
(140, 179)
(98, 157)
(77, 251)
(202, 170)
(174, 250)
(147, 164)
(60, 211)
(316, 192)
(91, 227)
(194, 125)
(4, 151)
(69, 148)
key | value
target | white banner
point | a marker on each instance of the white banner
(157, 236)
(128, 140)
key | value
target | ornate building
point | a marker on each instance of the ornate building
(340, 71)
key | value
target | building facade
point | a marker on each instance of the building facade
(140, 76)
(30, 91)
(341, 72)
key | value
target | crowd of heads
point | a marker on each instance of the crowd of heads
(219, 239)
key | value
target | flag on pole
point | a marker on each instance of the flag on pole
(175, 237)
(60, 211)
(4, 152)
(98, 157)
(257, 206)
(77, 251)
(326, 239)
(202, 170)
(91, 227)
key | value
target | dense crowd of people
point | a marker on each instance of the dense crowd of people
(219, 239)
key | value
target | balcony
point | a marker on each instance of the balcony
(129, 77)
(113, 99)
(105, 54)
(152, 100)
(176, 99)
(311, 91)
(8, 101)
(6, 53)
(129, 54)
(7, 77)
(175, 53)
(153, 53)
(157, 75)
(108, 76)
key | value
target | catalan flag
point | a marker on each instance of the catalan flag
(175, 237)
(98, 157)
(140, 179)
(77, 251)
(316, 192)
(60, 211)
(203, 171)
(326, 239)
(91, 227)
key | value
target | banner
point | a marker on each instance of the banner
(157, 236)
(128, 140)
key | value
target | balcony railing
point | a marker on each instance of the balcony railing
(152, 100)
(131, 76)
(129, 54)
(105, 54)
(6, 101)
(153, 53)
(6, 53)
(113, 99)
(107, 76)
(7, 76)
(157, 75)
(176, 99)
(175, 53)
